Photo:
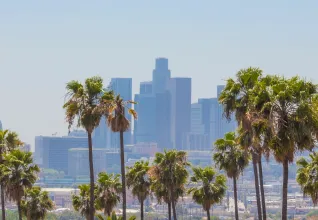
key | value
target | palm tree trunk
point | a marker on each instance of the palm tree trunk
(123, 173)
(169, 210)
(235, 198)
(3, 207)
(261, 182)
(173, 203)
(142, 210)
(285, 186)
(208, 214)
(19, 209)
(258, 200)
(91, 173)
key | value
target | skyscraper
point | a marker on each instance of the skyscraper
(0, 125)
(160, 76)
(103, 137)
(219, 124)
(180, 93)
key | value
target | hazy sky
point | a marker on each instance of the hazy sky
(44, 44)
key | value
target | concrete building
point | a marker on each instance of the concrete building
(180, 93)
(52, 152)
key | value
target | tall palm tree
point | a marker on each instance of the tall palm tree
(307, 176)
(232, 159)
(36, 203)
(293, 122)
(20, 174)
(236, 99)
(84, 106)
(170, 171)
(8, 141)
(117, 122)
(138, 180)
(209, 187)
(81, 203)
(108, 192)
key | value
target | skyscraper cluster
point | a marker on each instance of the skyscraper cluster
(166, 120)
(166, 115)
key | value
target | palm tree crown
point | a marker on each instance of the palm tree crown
(307, 176)
(36, 203)
(19, 174)
(138, 180)
(108, 192)
(209, 187)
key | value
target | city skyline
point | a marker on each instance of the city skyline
(45, 45)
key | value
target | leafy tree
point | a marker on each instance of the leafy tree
(293, 121)
(307, 176)
(117, 122)
(209, 187)
(138, 180)
(232, 159)
(19, 174)
(169, 175)
(84, 106)
(108, 192)
(36, 203)
(236, 99)
(8, 141)
(81, 203)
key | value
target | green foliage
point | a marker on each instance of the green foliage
(108, 192)
(36, 203)
(81, 202)
(18, 173)
(137, 179)
(209, 188)
(169, 175)
(229, 156)
(307, 176)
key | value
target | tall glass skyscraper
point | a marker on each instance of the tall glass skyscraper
(180, 92)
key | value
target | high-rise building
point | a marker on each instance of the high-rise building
(160, 76)
(52, 152)
(0, 125)
(145, 88)
(219, 124)
(180, 94)
(145, 126)
(103, 137)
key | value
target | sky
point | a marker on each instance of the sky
(45, 44)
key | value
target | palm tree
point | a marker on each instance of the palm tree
(293, 122)
(138, 180)
(307, 176)
(84, 105)
(8, 141)
(170, 171)
(81, 202)
(232, 159)
(210, 187)
(236, 99)
(20, 174)
(36, 203)
(117, 122)
(108, 192)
